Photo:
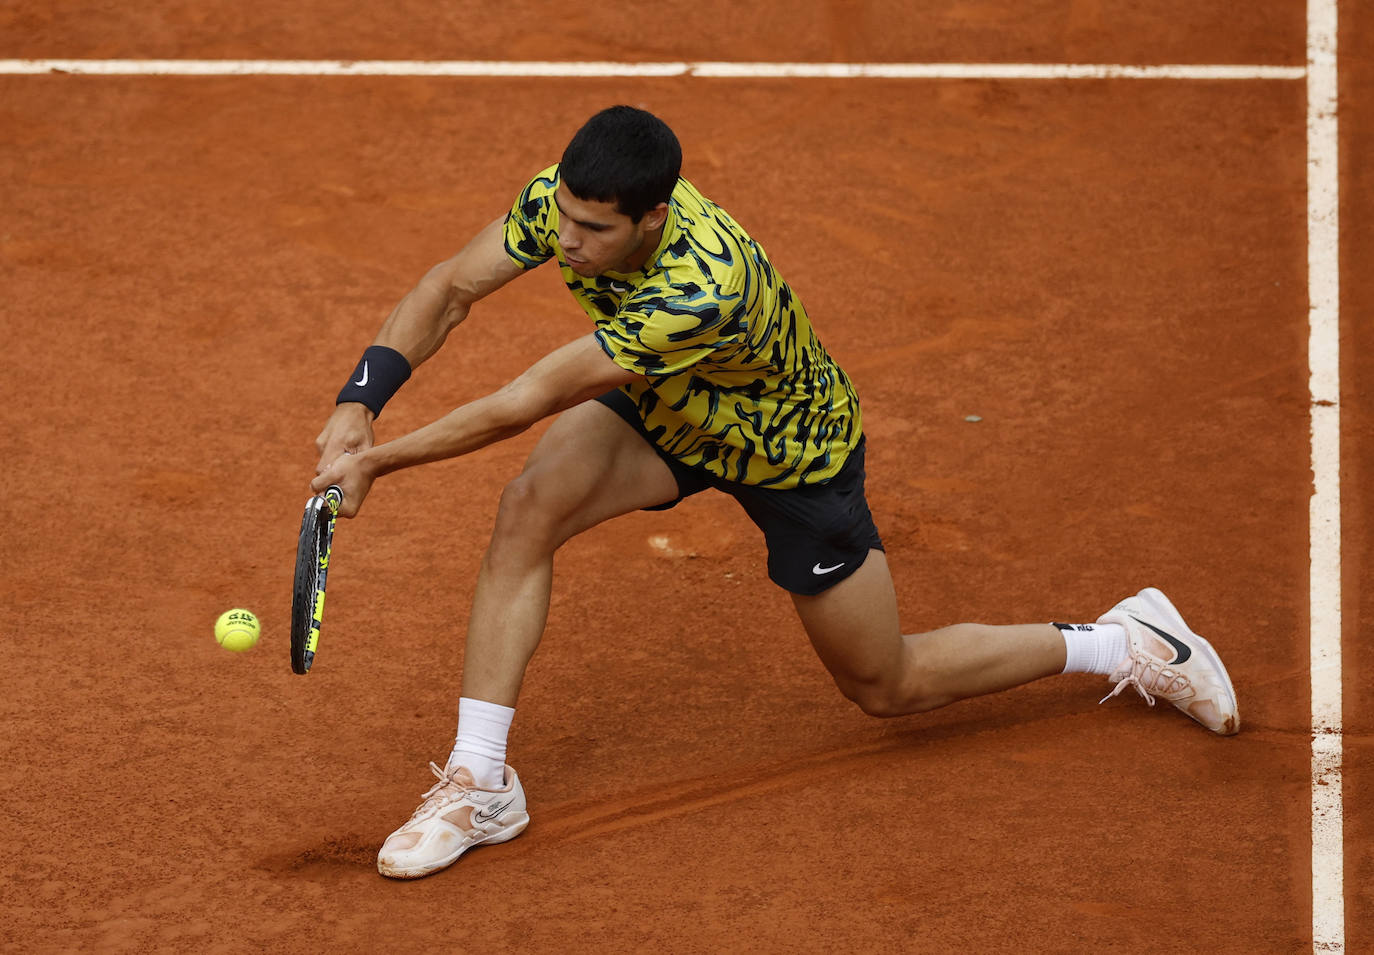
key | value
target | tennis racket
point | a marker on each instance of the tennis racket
(312, 567)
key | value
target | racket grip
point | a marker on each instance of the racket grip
(333, 496)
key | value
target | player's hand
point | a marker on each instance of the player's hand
(353, 476)
(349, 429)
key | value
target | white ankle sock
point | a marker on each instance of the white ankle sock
(481, 741)
(1093, 647)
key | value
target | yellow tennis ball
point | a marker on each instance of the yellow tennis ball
(237, 630)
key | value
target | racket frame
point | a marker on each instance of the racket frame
(312, 573)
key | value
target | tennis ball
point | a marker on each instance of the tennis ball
(237, 630)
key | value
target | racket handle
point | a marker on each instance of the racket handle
(333, 496)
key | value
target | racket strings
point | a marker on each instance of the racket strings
(310, 553)
(312, 567)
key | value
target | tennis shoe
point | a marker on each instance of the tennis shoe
(1168, 661)
(453, 816)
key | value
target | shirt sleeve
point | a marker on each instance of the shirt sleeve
(654, 334)
(531, 222)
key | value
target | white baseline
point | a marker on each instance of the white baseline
(533, 68)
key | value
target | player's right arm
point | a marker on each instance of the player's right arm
(420, 323)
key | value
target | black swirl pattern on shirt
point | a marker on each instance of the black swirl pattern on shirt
(735, 379)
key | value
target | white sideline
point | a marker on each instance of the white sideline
(1324, 534)
(1323, 202)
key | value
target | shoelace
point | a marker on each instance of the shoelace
(446, 779)
(1159, 677)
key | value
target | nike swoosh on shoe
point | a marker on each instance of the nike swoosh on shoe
(491, 812)
(1181, 650)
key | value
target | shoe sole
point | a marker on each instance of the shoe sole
(1160, 604)
(419, 872)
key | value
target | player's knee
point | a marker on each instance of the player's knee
(877, 703)
(898, 695)
(875, 698)
(526, 512)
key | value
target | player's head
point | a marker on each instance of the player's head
(626, 156)
(615, 180)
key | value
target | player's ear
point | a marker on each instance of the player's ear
(655, 217)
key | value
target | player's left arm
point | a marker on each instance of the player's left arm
(570, 375)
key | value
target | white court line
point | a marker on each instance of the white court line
(1323, 199)
(500, 68)
(1323, 351)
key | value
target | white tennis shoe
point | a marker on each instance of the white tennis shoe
(1170, 662)
(453, 817)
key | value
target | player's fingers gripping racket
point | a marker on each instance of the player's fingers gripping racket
(312, 567)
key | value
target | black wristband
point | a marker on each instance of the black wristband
(380, 373)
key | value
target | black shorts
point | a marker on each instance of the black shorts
(817, 535)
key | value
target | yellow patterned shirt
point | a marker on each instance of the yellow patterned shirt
(735, 380)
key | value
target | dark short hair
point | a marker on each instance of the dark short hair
(623, 155)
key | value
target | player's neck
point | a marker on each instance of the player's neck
(644, 251)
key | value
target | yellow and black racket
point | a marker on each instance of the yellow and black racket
(312, 567)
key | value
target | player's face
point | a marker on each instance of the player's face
(596, 238)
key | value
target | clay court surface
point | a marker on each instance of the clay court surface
(1111, 274)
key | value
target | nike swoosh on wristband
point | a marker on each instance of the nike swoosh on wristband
(818, 569)
(1181, 650)
(363, 379)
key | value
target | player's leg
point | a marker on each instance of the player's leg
(824, 549)
(854, 628)
(589, 466)
(1142, 642)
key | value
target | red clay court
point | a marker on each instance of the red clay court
(1111, 273)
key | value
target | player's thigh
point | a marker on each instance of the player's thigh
(854, 625)
(590, 466)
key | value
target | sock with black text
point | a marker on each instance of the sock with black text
(1093, 647)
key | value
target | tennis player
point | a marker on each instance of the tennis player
(702, 371)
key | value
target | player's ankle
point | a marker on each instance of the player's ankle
(481, 741)
(1093, 647)
(487, 773)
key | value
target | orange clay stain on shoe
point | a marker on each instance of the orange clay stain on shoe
(1167, 660)
(453, 816)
